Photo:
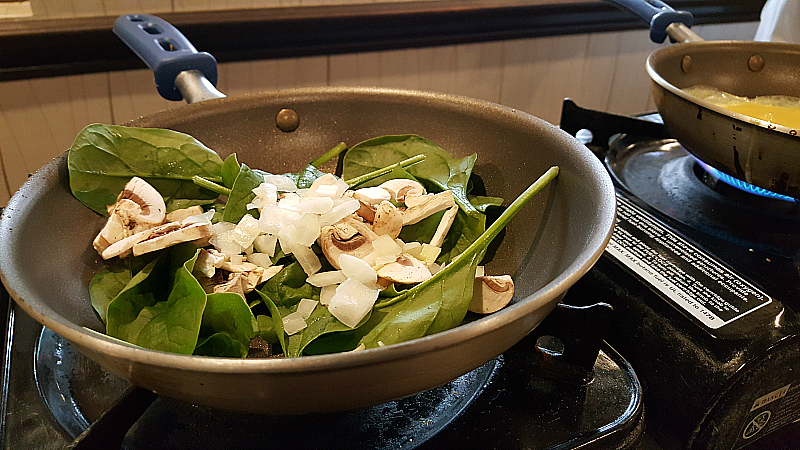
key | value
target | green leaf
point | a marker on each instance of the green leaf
(103, 158)
(230, 170)
(226, 319)
(266, 329)
(438, 169)
(105, 286)
(306, 177)
(242, 194)
(161, 308)
(289, 286)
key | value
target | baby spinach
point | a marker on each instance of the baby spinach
(227, 326)
(439, 168)
(103, 158)
(161, 308)
(242, 194)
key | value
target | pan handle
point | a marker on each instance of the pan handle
(181, 72)
(663, 20)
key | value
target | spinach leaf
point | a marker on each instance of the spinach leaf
(307, 176)
(439, 168)
(105, 286)
(266, 329)
(242, 194)
(463, 232)
(161, 308)
(227, 327)
(103, 158)
(229, 170)
(289, 286)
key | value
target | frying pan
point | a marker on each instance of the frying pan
(47, 261)
(752, 150)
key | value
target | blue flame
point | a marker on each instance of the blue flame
(747, 187)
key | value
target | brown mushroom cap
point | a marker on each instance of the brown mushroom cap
(405, 270)
(491, 293)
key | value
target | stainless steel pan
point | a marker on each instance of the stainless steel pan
(752, 150)
(46, 258)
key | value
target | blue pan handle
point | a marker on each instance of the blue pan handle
(165, 50)
(658, 14)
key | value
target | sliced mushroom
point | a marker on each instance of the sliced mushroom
(124, 247)
(147, 197)
(348, 236)
(388, 220)
(235, 283)
(428, 204)
(491, 293)
(171, 234)
(444, 226)
(400, 188)
(405, 270)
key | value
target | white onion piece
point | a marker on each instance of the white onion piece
(372, 195)
(305, 230)
(385, 249)
(266, 194)
(199, 218)
(325, 186)
(322, 279)
(281, 182)
(306, 307)
(260, 259)
(307, 258)
(293, 323)
(326, 293)
(480, 271)
(358, 269)
(273, 219)
(352, 301)
(289, 202)
(222, 238)
(429, 253)
(246, 231)
(339, 212)
(266, 243)
(316, 205)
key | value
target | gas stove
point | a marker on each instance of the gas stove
(689, 316)
(703, 273)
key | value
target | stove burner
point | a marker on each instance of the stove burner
(663, 175)
(739, 184)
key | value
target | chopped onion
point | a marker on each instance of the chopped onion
(306, 229)
(306, 307)
(289, 202)
(322, 279)
(429, 253)
(260, 259)
(305, 256)
(266, 194)
(386, 250)
(293, 323)
(339, 212)
(199, 218)
(246, 231)
(326, 293)
(266, 243)
(281, 182)
(316, 205)
(352, 301)
(358, 269)
(273, 219)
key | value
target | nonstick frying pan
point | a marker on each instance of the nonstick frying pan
(47, 261)
(749, 149)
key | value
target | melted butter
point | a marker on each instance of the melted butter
(776, 109)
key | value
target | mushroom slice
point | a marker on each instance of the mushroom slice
(171, 234)
(349, 236)
(405, 270)
(388, 220)
(444, 226)
(235, 283)
(124, 247)
(491, 293)
(153, 209)
(400, 188)
(428, 204)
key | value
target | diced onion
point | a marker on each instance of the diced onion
(273, 219)
(260, 259)
(281, 182)
(352, 301)
(293, 323)
(339, 212)
(306, 307)
(266, 243)
(246, 231)
(358, 269)
(321, 279)
(326, 293)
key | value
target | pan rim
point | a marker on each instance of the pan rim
(722, 44)
(308, 364)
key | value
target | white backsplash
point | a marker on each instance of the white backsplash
(605, 71)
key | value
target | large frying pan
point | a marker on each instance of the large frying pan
(46, 258)
(749, 149)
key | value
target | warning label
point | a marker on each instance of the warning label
(770, 412)
(692, 279)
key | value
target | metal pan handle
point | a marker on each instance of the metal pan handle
(663, 20)
(181, 72)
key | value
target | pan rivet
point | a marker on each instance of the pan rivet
(287, 120)
(755, 63)
(686, 64)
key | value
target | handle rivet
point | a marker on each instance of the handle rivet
(686, 64)
(287, 120)
(755, 63)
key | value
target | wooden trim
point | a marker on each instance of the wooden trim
(57, 47)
